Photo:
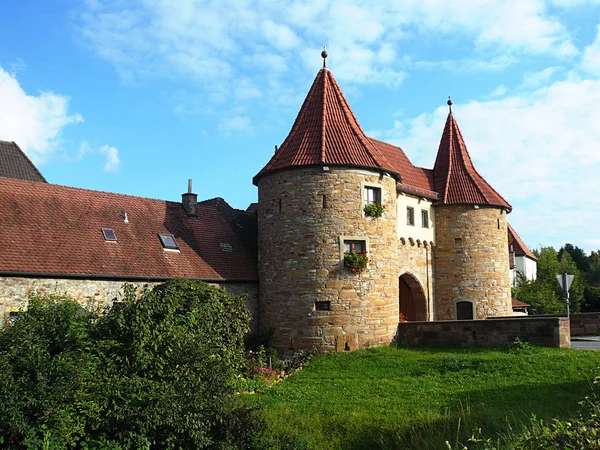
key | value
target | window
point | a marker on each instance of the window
(323, 306)
(464, 310)
(354, 246)
(410, 215)
(372, 195)
(425, 218)
(457, 243)
(109, 235)
(168, 241)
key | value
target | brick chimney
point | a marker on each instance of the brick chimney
(190, 201)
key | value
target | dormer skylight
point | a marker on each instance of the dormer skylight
(168, 241)
(109, 235)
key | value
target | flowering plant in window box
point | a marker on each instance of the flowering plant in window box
(356, 261)
(374, 210)
(402, 317)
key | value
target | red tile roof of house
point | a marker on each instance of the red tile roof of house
(326, 132)
(519, 304)
(415, 180)
(57, 231)
(14, 163)
(519, 246)
(455, 177)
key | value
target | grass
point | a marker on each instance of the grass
(415, 398)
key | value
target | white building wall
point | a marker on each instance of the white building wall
(416, 231)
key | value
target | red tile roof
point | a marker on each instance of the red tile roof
(56, 230)
(326, 132)
(519, 304)
(414, 180)
(518, 245)
(455, 177)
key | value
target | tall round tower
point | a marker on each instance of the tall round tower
(472, 278)
(311, 214)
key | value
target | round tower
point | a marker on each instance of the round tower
(472, 278)
(311, 213)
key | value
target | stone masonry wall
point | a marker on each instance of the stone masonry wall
(14, 292)
(303, 217)
(476, 268)
(544, 331)
(585, 324)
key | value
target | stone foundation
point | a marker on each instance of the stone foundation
(545, 331)
(14, 292)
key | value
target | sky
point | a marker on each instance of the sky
(137, 96)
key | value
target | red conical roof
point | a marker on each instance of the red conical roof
(455, 177)
(326, 132)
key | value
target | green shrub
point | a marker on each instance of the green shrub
(153, 372)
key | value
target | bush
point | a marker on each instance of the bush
(153, 372)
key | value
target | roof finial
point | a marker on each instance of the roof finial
(449, 104)
(324, 55)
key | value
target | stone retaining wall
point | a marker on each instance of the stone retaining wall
(14, 292)
(585, 324)
(546, 332)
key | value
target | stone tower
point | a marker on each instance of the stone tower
(472, 278)
(311, 199)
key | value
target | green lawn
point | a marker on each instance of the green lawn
(419, 398)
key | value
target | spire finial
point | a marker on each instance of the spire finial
(449, 104)
(324, 55)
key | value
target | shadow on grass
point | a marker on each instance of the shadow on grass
(493, 411)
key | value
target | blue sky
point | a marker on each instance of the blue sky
(137, 96)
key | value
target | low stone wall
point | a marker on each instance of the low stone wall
(14, 292)
(585, 324)
(547, 332)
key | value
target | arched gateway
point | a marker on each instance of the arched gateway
(413, 303)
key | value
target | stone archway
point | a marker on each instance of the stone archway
(413, 303)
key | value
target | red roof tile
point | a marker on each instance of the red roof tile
(518, 245)
(414, 180)
(455, 177)
(519, 304)
(51, 229)
(326, 132)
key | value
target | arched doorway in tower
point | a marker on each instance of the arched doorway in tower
(413, 303)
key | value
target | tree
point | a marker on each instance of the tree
(151, 372)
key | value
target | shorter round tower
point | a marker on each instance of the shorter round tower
(472, 275)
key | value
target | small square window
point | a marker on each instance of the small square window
(323, 306)
(354, 246)
(168, 241)
(457, 243)
(109, 235)
(425, 218)
(372, 195)
(410, 215)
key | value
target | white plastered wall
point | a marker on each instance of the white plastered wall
(416, 231)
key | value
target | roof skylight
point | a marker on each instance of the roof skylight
(226, 247)
(168, 241)
(109, 234)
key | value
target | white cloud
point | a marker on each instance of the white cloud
(236, 124)
(112, 163)
(532, 80)
(214, 42)
(34, 122)
(538, 149)
(499, 91)
(591, 56)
